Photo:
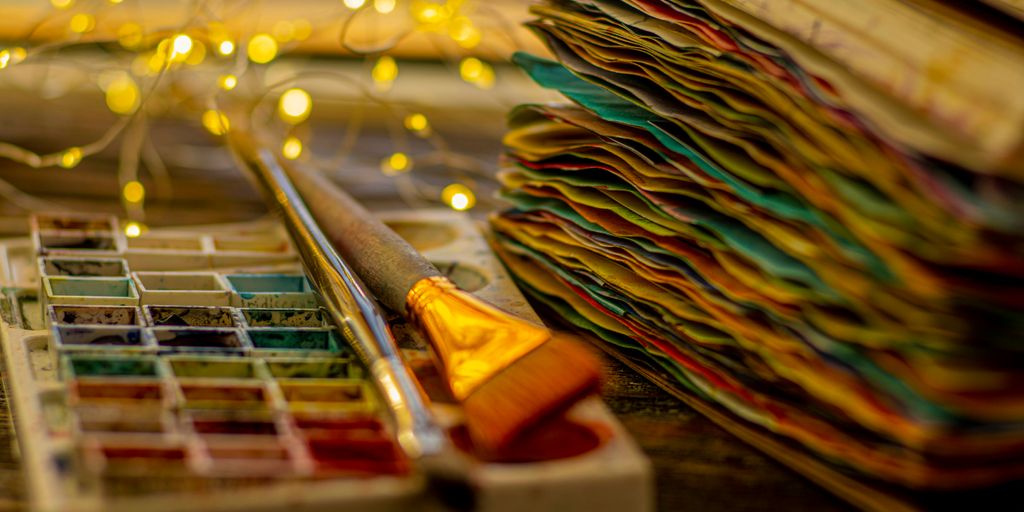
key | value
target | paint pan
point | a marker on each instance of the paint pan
(284, 317)
(103, 291)
(198, 339)
(75, 241)
(182, 288)
(327, 395)
(135, 455)
(213, 367)
(313, 368)
(92, 420)
(106, 337)
(248, 456)
(294, 339)
(271, 291)
(94, 315)
(356, 454)
(200, 394)
(166, 242)
(84, 366)
(239, 251)
(82, 267)
(66, 222)
(191, 316)
(111, 391)
(234, 423)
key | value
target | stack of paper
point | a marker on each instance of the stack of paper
(810, 213)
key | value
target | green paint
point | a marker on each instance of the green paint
(293, 339)
(313, 368)
(213, 368)
(283, 317)
(93, 366)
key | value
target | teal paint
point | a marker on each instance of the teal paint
(93, 366)
(91, 287)
(293, 339)
(268, 283)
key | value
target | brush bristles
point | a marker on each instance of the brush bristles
(544, 382)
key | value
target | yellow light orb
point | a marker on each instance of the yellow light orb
(5, 58)
(303, 29)
(284, 31)
(133, 229)
(122, 95)
(384, 6)
(417, 123)
(226, 48)
(134, 192)
(384, 72)
(70, 157)
(227, 82)
(430, 13)
(471, 68)
(458, 197)
(292, 147)
(115, 2)
(18, 54)
(62, 4)
(486, 78)
(394, 164)
(262, 49)
(216, 122)
(129, 35)
(464, 33)
(82, 23)
(354, 4)
(294, 106)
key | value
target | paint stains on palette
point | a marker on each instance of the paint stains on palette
(199, 361)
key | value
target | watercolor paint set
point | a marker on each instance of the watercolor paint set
(194, 367)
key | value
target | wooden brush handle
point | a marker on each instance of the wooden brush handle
(383, 260)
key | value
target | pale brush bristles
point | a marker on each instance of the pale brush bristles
(544, 382)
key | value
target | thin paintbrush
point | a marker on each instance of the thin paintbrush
(356, 313)
(508, 373)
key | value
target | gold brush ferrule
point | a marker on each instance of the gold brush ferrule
(473, 339)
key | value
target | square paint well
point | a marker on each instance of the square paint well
(284, 317)
(112, 337)
(198, 338)
(83, 267)
(298, 339)
(186, 316)
(94, 315)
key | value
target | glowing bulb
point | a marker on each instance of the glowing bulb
(227, 82)
(475, 71)
(226, 48)
(181, 47)
(384, 72)
(5, 58)
(384, 6)
(429, 13)
(62, 4)
(129, 35)
(417, 123)
(292, 148)
(132, 230)
(82, 23)
(458, 197)
(354, 4)
(70, 157)
(134, 192)
(394, 164)
(216, 122)
(262, 49)
(115, 2)
(294, 106)
(463, 32)
(122, 95)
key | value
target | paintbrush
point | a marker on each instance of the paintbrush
(509, 374)
(447, 472)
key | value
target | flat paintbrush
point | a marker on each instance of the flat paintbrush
(354, 311)
(509, 374)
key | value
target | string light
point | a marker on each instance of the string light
(122, 94)
(82, 23)
(227, 82)
(129, 35)
(216, 122)
(197, 55)
(133, 192)
(115, 2)
(294, 106)
(384, 72)
(284, 31)
(291, 148)
(384, 6)
(303, 29)
(354, 4)
(430, 13)
(70, 157)
(12, 56)
(226, 48)
(262, 49)
(477, 72)
(418, 124)
(62, 4)
(133, 229)
(458, 197)
(463, 32)
(395, 164)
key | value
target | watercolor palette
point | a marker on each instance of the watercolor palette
(192, 364)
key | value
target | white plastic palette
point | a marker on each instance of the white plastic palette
(196, 364)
